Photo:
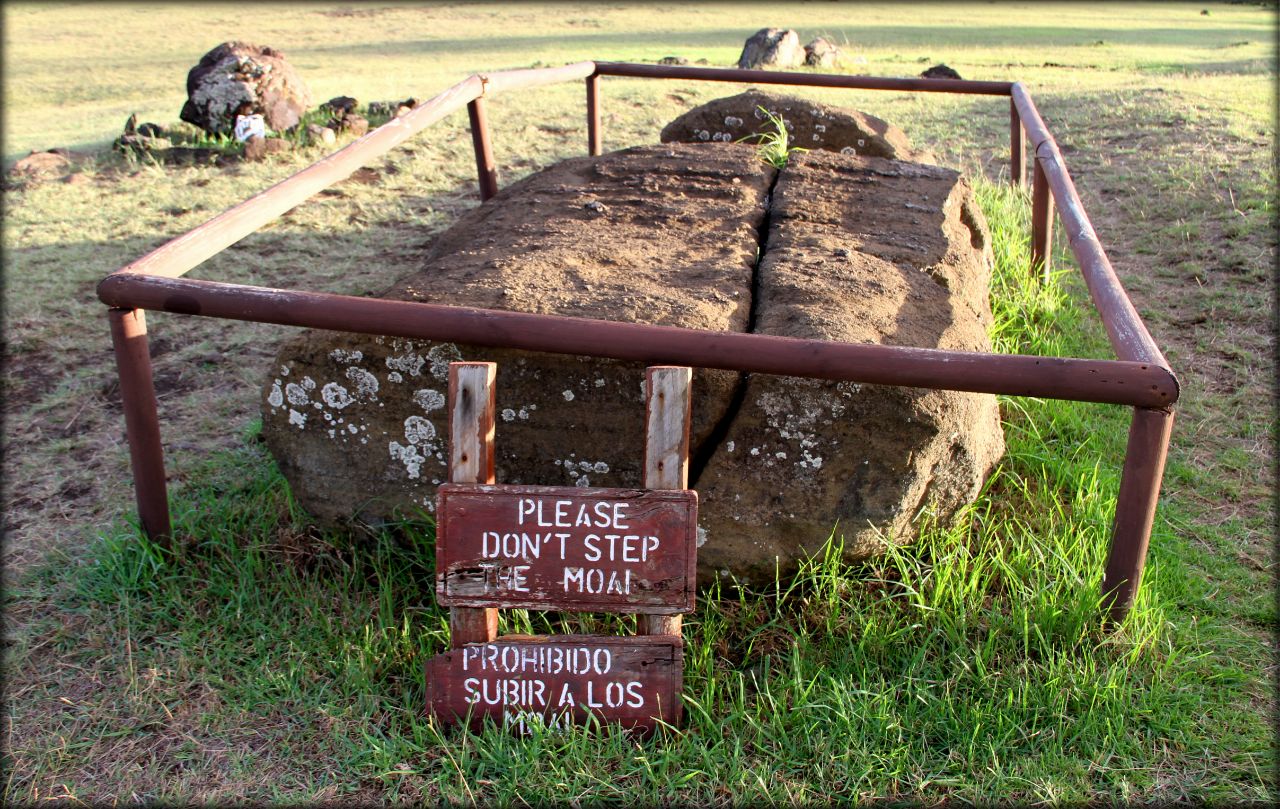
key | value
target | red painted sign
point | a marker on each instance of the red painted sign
(555, 548)
(527, 682)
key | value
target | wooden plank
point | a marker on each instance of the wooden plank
(666, 460)
(524, 682)
(566, 548)
(472, 408)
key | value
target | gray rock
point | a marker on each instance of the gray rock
(317, 134)
(771, 47)
(822, 52)
(238, 77)
(809, 125)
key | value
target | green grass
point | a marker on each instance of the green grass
(774, 147)
(973, 666)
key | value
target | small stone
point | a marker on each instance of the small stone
(355, 124)
(673, 60)
(255, 148)
(277, 145)
(340, 105)
(822, 52)
(317, 134)
(940, 71)
(596, 207)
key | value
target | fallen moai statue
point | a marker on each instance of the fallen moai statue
(850, 248)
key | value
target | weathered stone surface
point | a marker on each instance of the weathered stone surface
(809, 125)
(863, 250)
(660, 234)
(822, 52)
(771, 47)
(858, 249)
(238, 77)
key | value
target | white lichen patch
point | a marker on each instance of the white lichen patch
(276, 397)
(297, 419)
(429, 399)
(365, 382)
(418, 430)
(421, 435)
(508, 414)
(335, 395)
(440, 356)
(395, 376)
(702, 536)
(408, 363)
(793, 414)
(730, 446)
(296, 394)
(343, 355)
(568, 395)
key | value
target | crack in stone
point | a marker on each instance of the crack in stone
(701, 457)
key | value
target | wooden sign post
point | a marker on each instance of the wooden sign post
(560, 548)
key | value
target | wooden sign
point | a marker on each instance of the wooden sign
(528, 682)
(558, 548)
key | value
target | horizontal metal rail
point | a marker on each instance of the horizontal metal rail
(992, 88)
(1139, 378)
(1105, 381)
(1129, 336)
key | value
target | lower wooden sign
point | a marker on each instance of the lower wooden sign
(548, 681)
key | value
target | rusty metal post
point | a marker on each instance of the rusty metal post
(1017, 153)
(1041, 220)
(595, 142)
(1135, 508)
(485, 167)
(141, 420)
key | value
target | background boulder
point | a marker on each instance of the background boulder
(239, 73)
(771, 47)
(821, 52)
(809, 124)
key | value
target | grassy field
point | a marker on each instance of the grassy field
(267, 661)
